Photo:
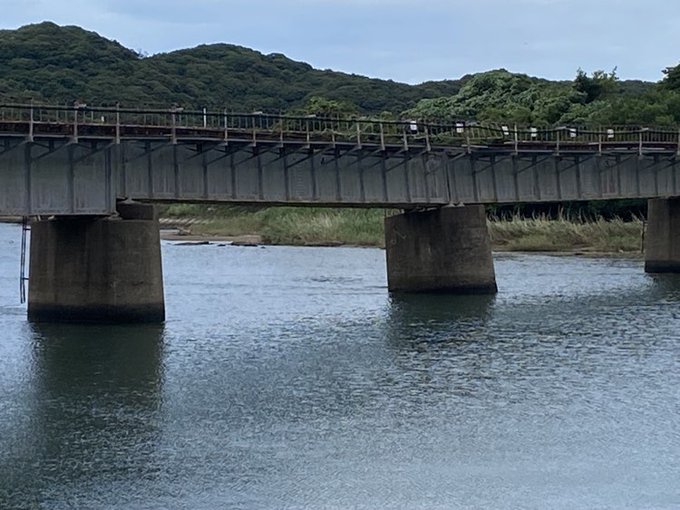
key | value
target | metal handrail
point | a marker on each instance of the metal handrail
(311, 128)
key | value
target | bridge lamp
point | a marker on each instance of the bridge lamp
(506, 130)
(534, 132)
(572, 132)
(610, 134)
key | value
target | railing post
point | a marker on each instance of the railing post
(516, 141)
(254, 142)
(640, 144)
(382, 138)
(428, 147)
(358, 134)
(281, 127)
(678, 149)
(117, 123)
(173, 134)
(75, 125)
(599, 141)
(557, 142)
(226, 127)
(30, 125)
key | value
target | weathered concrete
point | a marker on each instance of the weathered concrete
(97, 270)
(446, 250)
(662, 238)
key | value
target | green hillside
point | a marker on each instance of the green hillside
(53, 64)
(47, 62)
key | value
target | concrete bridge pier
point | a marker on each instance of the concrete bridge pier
(97, 269)
(446, 250)
(662, 238)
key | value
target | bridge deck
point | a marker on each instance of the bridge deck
(78, 161)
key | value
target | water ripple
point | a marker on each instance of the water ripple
(289, 378)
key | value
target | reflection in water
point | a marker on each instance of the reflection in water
(93, 412)
(665, 286)
(416, 320)
(436, 339)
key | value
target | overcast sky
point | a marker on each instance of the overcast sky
(405, 40)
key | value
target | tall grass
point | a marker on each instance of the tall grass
(565, 234)
(289, 225)
(361, 227)
(364, 227)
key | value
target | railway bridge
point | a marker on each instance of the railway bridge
(89, 178)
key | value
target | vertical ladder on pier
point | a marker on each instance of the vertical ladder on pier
(25, 229)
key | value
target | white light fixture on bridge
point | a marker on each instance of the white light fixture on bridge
(506, 130)
(534, 132)
(610, 134)
(572, 132)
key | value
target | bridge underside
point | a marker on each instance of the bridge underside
(62, 177)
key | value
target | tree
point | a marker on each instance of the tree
(598, 86)
(324, 107)
(671, 80)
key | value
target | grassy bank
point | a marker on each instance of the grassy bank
(540, 234)
(364, 227)
(287, 225)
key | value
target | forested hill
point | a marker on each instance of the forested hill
(47, 62)
(53, 64)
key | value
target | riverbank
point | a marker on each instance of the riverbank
(364, 227)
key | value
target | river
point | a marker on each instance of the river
(289, 378)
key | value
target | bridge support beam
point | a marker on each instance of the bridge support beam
(104, 270)
(445, 250)
(662, 238)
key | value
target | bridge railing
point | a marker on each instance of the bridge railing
(173, 123)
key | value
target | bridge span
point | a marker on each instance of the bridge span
(89, 163)
(78, 161)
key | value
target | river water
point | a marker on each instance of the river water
(289, 378)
